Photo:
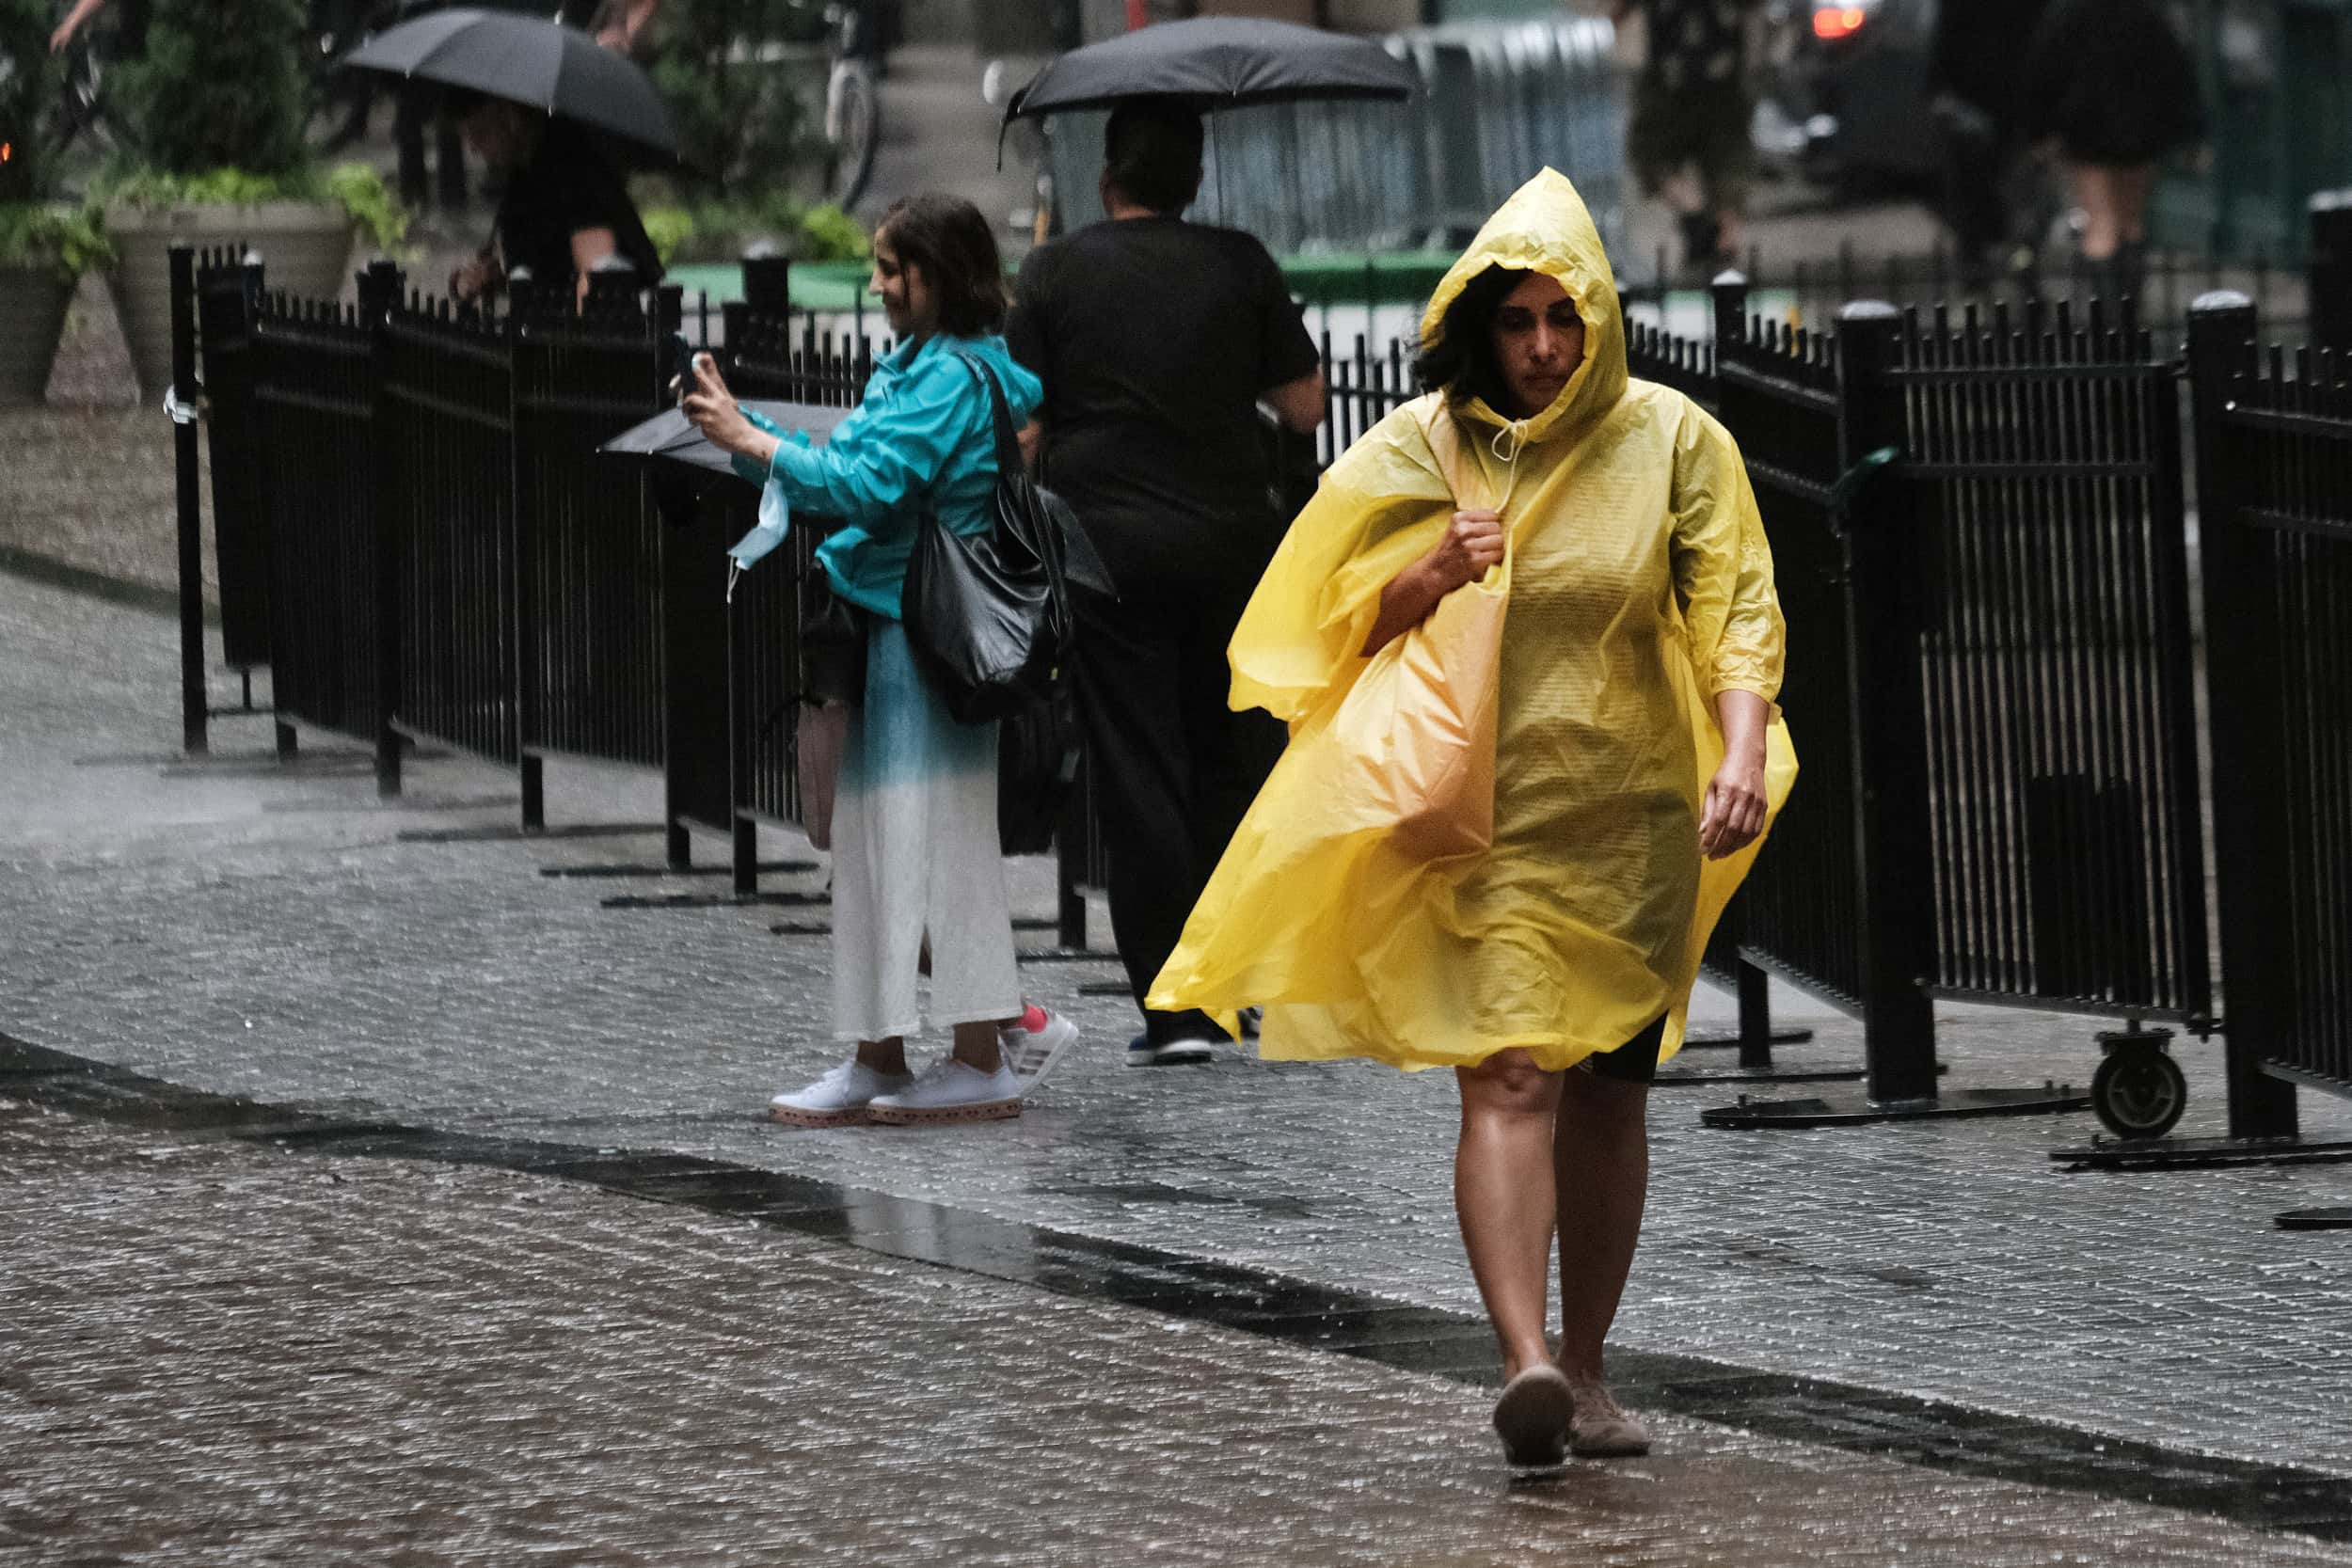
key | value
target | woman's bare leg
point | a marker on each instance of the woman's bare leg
(2133, 186)
(976, 1046)
(1601, 1164)
(2095, 193)
(1502, 1192)
(884, 1057)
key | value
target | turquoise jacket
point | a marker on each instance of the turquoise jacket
(924, 435)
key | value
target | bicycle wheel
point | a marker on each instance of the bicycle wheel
(852, 127)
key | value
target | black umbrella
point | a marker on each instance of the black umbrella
(539, 64)
(1217, 63)
(670, 435)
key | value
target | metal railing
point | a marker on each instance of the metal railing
(2274, 466)
(2057, 671)
(312, 391)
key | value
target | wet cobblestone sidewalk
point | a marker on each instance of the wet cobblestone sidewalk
(222, 1353)
(271, 936)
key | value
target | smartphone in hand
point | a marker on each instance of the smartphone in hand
(681, 364)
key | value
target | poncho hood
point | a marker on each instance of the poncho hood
(1545, 227)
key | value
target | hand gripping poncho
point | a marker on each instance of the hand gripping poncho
(1640, 585)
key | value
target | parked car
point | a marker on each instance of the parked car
(1846, 96)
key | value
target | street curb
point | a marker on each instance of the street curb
(1930, 1434)
(50, 572)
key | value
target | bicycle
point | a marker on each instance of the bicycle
(858, 40)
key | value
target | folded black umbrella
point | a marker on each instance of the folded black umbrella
(1217, 63)
(670, 435)
(524, 60)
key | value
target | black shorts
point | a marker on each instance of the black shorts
(1635, 1061)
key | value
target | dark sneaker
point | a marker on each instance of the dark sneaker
(1181, 1052)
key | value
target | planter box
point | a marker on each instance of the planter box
(306, 248)
(33, 303)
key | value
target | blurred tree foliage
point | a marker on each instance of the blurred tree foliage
(30, 83)
(220, 87)
(737, 75)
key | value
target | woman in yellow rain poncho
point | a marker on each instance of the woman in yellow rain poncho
(1637, 756)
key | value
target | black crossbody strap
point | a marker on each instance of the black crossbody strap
(1008, 441)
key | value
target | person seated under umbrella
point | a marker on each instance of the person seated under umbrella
(567, 210)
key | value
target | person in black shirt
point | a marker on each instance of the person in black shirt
(565, 208)
(1157, 340)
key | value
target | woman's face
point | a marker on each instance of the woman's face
(906, 294)
(1539, 341)
(497, 132)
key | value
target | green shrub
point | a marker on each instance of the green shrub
(722, 230)
(70, 238)
(220, 87)
(356, 188)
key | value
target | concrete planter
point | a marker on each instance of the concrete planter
(33, 303)
(306, 248)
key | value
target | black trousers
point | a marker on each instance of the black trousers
(1174, 768)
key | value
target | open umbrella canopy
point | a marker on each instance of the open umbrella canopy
(1218, 63)
(539, 64)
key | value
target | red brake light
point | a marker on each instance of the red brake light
(1837, 22)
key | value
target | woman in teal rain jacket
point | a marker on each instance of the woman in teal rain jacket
(915, 858)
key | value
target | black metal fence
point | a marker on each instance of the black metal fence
(1980, 536)
(313, 388)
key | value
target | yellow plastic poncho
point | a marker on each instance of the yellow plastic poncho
(1640, 585)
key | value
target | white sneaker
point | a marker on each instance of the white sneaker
(1032, 1046)
(950, 1091)
(838, 1099)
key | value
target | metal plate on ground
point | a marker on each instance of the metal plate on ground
(1728, 1040)
(638, 868)
(2199, 1153)
(1667, 1078)
(1857, 1110)
(491, 832)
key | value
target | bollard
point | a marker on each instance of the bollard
(181, 402)
(2330, 270)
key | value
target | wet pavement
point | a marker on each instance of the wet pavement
(234, 1353)
(1935, 1292)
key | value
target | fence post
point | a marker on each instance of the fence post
(1731, 293)
(2243, 662)
(669, 316)
(2329, 276)
(380, 287)
(181, 405)
(767, 283)
(1883, 627)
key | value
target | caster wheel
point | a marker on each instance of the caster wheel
(2140, 1091)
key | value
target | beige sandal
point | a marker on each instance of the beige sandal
(1603, 1429)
